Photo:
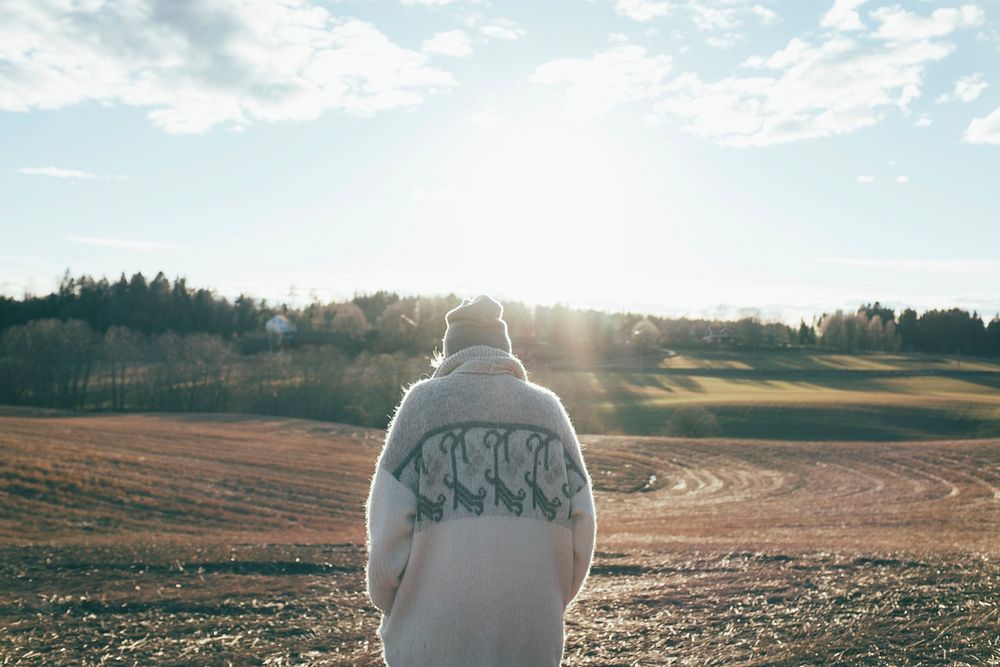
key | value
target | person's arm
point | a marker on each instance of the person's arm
(391, 511)
(390, 514)
(584, 525)
(583, 517)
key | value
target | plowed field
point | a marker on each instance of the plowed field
(207, 539)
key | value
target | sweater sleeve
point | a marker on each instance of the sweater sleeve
(583, 516)
(390, 514)
(584, 525)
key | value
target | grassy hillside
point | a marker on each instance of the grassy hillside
(777, 395)
(790, 395)
(819, 360)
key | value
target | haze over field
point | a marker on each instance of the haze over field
(675, 158)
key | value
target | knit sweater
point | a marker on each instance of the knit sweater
(480, 518)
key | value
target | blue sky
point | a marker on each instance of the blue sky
(718, 157)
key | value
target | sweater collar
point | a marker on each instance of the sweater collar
(481, 359)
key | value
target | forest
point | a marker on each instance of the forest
(138, 344)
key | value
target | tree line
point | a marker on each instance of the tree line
(68, 365)
(876, 327)
(161, 345)
(385, 322)
(147, 306)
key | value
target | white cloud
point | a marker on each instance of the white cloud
(729, 111)
(833, 88)
(984, 130)
(923, 121)
(767, 16)
(429, 3)
(844, 15)
(502, 29)
(201, 64)
(58, 172)
(967, 89)
(621, 74)
(902, 180)
(866, 178)
(795, 52)
(449, 43)
(724, 41)
(900, 25)
(119, 244)
(990, 36)
(810, 89)
(707, 18)
(642, 10)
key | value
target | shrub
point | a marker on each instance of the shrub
(692, 421)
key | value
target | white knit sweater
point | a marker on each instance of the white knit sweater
(480, 519)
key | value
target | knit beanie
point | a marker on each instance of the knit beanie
(477, 321)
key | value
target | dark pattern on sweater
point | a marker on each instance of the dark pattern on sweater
(494, 439)
(539, 500)
(432, 509)
(462, 494)
(514, 459)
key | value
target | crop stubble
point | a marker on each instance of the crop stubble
(208, 539)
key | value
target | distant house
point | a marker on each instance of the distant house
(720, 337)
(280, 327)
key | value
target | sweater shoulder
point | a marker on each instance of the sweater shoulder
(433, 404)
(408, 420)
(563, 423)
(543, 401)
(415, 395)
(552, 401)
(545, 394)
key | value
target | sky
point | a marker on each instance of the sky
(708, 158)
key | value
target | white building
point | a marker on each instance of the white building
(280, 326)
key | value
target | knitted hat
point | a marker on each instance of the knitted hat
(477, 321)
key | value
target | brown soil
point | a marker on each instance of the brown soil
(200, 539)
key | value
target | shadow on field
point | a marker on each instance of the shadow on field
(631, 415)
(642, 404)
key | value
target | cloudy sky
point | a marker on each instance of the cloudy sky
(680, 157)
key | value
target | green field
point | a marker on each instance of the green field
(812, 360)
(790, 395)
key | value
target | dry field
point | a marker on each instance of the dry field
(215, 539)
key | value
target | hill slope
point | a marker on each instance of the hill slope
(230, 478)
(207, 539)
(220, 478)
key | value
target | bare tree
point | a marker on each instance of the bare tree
(52, 362)
(123, 348)
(350, 321)
(645, 336)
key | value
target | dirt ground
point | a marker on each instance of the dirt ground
(218, 540)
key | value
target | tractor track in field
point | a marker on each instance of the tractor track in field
(207, 539)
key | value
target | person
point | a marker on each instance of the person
(480, 518)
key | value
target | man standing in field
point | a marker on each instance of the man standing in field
(480, 518)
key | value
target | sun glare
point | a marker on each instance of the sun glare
(555, 196)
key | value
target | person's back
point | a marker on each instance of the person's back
(481, 519)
